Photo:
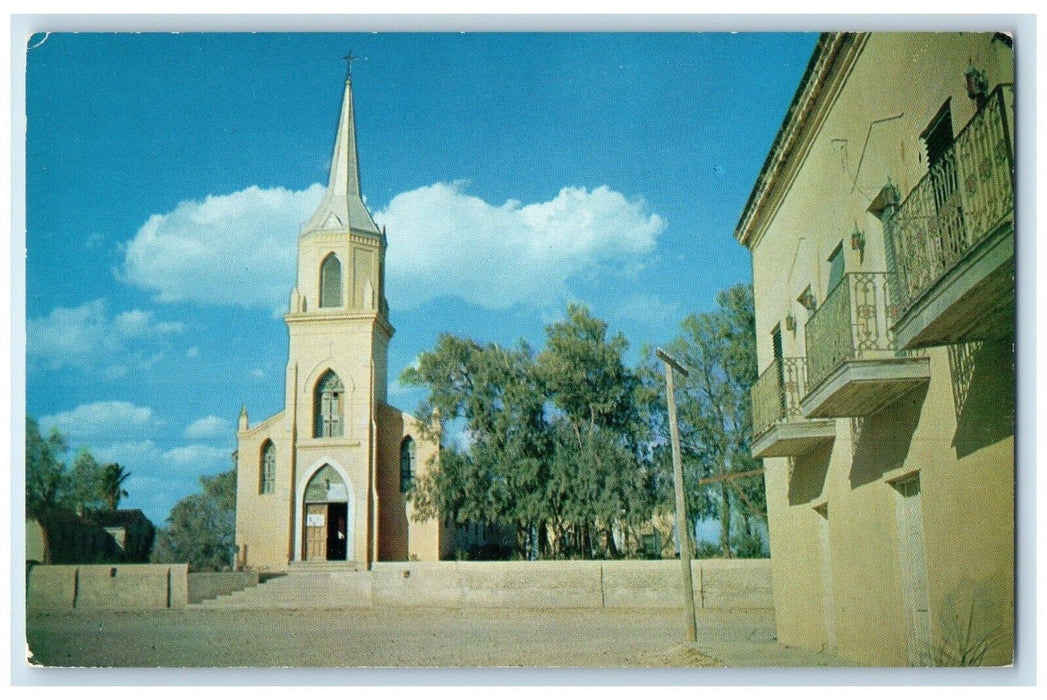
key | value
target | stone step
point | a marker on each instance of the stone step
(323, 566)
(320, 588)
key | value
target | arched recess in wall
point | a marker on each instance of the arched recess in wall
(327, 505)
(267, 471)
(330, 282)
(329, 406)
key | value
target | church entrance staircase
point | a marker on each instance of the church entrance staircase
(306, 586)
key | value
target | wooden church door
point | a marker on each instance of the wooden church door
(315, 531)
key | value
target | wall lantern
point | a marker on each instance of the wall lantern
(790, 323)
(858, 242)
(807, 300)
(977, 84)
(885, 202)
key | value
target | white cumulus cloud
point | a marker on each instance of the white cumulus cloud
(235, 250)
(239, 249)
(102, 421)
(199, 457)
(209, 427)
(443, 241)
(138, 456)
(87, 337)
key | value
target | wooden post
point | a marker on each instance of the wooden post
(682, 524)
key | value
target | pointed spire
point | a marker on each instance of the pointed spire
(242, 423)
(342, 207)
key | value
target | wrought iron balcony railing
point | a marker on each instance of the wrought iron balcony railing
(964, 197)
(776, 394)
(853, 323)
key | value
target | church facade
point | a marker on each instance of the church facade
(325, 479)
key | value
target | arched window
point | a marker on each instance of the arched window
(406, 464)
(267, 476)
(328, 406)
(330, 282)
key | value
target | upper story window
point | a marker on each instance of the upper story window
(944, 181)
(330, 282)
(835, 268)
(938, 136)
(779, 362)
(406, 464)
(329, 406)
(267, 476)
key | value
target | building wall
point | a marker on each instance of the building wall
(354, 346)
(360, 259)
(263, 520)
(401, 537)
(107, 587)
(718, 584)
(962, 454)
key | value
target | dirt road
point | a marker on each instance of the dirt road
(405, 638)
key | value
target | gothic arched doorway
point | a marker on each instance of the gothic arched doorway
(328, 529)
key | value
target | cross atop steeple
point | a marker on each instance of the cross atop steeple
(349, 58)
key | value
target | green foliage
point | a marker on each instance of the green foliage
(51, 488)
(85, 482)
(111, 485)
(46, 481)
(746, 541)
(968, 630)
(494, 392)
(201, 527)
(714, 416)
(708, 550)
(75, 505)
(556, 441)
(570, 446)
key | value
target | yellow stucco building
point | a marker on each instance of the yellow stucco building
(882, 236)
(324, 479)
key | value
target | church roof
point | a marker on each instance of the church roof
(343, 207)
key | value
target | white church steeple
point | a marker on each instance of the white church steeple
(342, 207)
(321, 480)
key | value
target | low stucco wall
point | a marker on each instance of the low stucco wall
(108, 587)
(51, 587)
(35, 542)
(732, 584)
(206, 585)
(648, 584)
(718, 584)
(723, 584)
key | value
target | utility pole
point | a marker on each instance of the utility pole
(682, 524)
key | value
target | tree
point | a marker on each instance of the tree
(201, 527)
(111, 485)
(85, 482)
(599, 477)
(499, 478)
(46, 481)
(715, 415)
(555, 441)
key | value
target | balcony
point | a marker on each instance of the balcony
(853, 366)
(779, 429)
(951, 242)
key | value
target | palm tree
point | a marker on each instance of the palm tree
(112, 484)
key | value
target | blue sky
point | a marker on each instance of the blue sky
(530, 169)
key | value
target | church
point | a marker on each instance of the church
(324, 480)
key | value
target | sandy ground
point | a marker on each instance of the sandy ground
(407, 638)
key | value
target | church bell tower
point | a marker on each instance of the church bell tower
(326, 479)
